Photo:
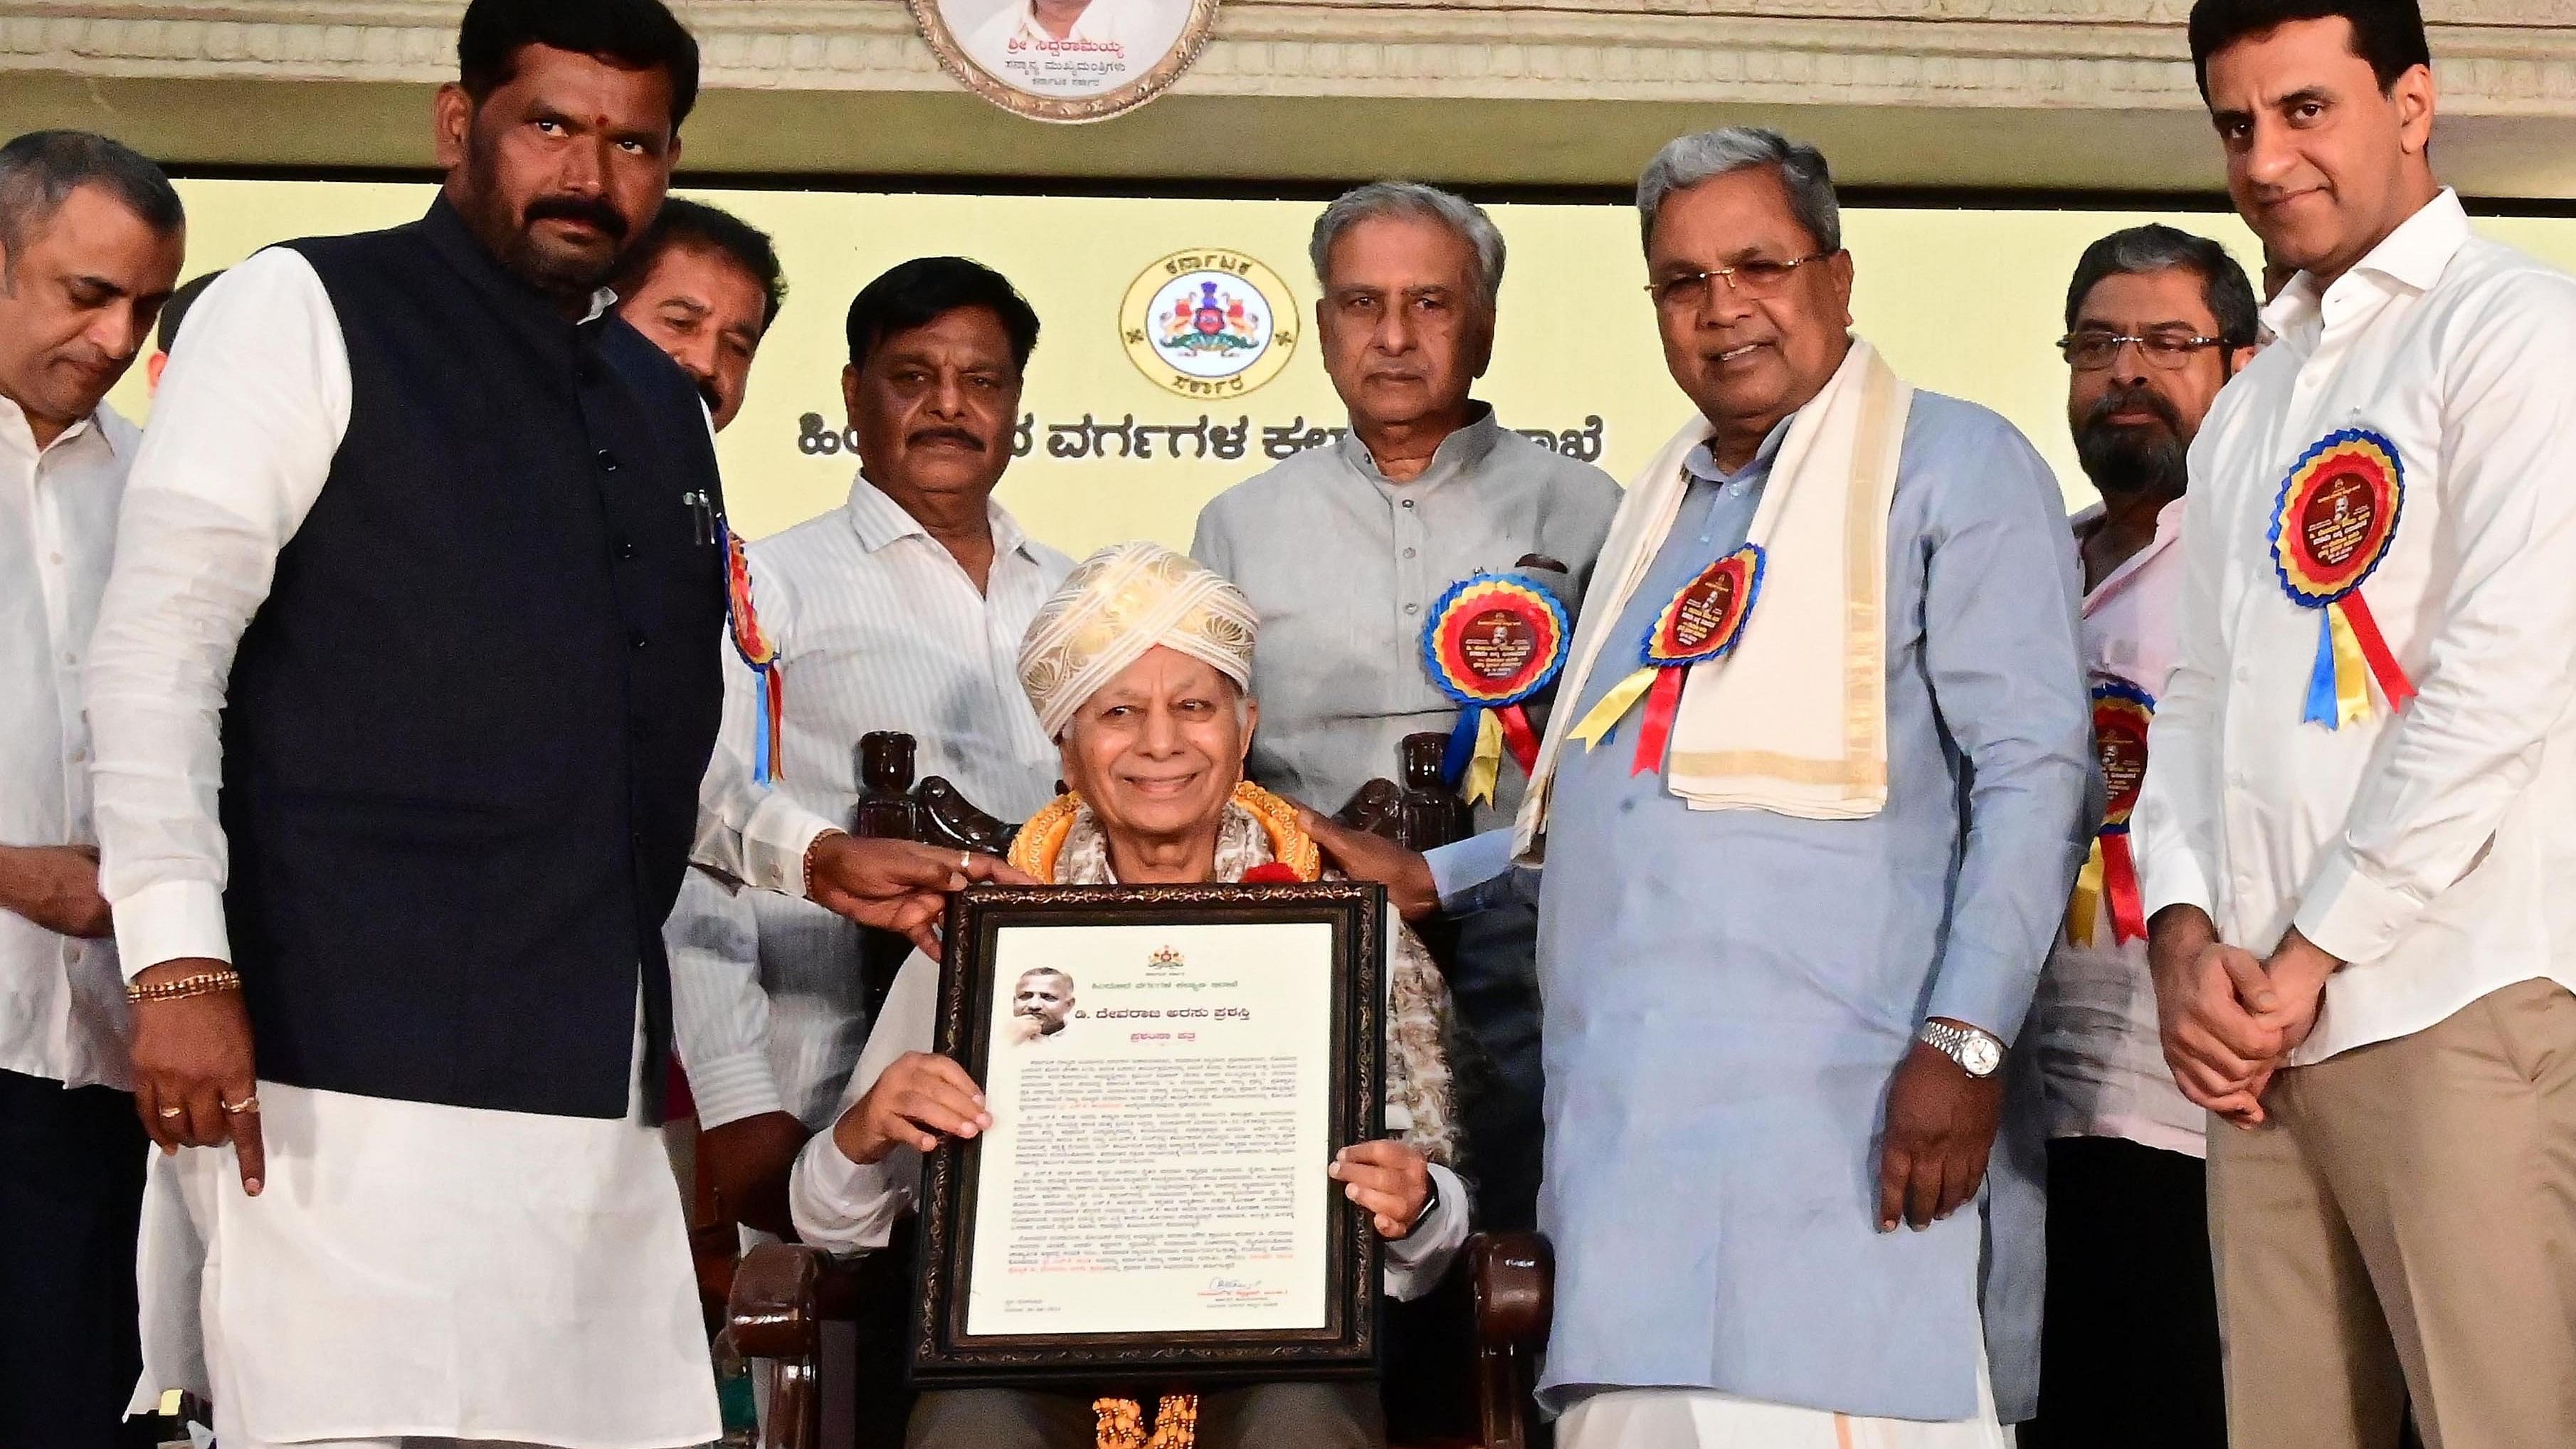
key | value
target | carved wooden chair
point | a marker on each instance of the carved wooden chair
(783, 1293)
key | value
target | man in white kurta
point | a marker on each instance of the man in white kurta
(438, 1209)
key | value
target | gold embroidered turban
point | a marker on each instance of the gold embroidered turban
(1120, 602)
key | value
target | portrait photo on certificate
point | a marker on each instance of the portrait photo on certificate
(1169, 1070)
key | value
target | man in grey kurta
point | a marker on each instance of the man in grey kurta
(1346, 550)
(1741, 1095)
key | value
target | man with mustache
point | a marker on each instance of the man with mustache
(703, 286)
(900, 610)
(1041, 1004)
(1808, 809)
(2355, 831)
(91, 237)
(1427, 489)
(404, 688)
(2157, 320)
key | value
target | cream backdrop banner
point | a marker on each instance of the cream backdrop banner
(1962, 302)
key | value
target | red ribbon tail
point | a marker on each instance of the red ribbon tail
(2383, 665)
(773, 688)
(1518, 737)
(2120, 889)
(1655, 731)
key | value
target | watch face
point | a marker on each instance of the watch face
(1980, 1056)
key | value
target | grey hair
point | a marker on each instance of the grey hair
(1413, 199)
(1689, 160)
(41, 169)
(2224, 286)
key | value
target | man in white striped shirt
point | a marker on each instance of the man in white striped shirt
(901, 610)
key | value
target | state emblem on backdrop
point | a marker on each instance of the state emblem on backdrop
(1208, 324)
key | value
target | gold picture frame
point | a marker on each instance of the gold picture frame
(1045, 82)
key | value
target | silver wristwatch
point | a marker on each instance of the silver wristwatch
(1977, 1053)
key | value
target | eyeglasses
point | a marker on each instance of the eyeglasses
(1757, 278)
(2166, 351)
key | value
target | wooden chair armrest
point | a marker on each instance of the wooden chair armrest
(776, 1310)
(1515, 1277)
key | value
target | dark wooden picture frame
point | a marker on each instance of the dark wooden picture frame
(944, 1354)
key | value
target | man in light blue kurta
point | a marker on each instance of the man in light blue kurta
(1733, 996)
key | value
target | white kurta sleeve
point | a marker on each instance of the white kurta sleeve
(850, 1207)
(250, 413)
(719, 1011)
(1414, 1265)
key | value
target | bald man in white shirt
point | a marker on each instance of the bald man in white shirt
(2354, 831)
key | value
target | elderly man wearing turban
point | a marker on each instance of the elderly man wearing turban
(1138, 668)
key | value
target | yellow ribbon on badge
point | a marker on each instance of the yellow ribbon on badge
(1598, 721)
(2352, 670)
(2086, 904)
(1485, 767)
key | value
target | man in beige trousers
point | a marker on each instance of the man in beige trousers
(2356, 819)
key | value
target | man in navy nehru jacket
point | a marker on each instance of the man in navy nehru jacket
(404, 689)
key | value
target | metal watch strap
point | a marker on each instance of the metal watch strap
(1953, 1042)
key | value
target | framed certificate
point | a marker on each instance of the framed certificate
(1170, 1070)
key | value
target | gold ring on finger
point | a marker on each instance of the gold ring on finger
(174, 1111)
(246, 1104)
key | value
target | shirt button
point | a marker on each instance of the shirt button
(637, 639)
(80, 757)
(607, 461)
(1413, 608)
(54, 558)
(1408, 503)
(1408, 553)
(70, 658)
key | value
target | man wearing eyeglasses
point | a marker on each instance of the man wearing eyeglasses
(2157, 321)
(1811, 800)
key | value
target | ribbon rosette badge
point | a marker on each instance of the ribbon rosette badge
(760, 652)
(2336, 517)
(2121, 714)
(1703, 622)
(1492, 643)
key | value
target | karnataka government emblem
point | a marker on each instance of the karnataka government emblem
(2335, 519)
(2122, 713)
(1208, 324)
(1494, 640)
(1701, 624)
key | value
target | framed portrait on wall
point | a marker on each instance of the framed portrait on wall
(1066, 60)
(1170, 1069)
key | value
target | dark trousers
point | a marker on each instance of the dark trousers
(1491, 960)
(2129, 1346)
(71, 1196)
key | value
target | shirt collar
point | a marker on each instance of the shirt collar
(1459, 452)
(20, 436)
(2168, 533)
(1702, 462)
(2412, 256)
(879, 520)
